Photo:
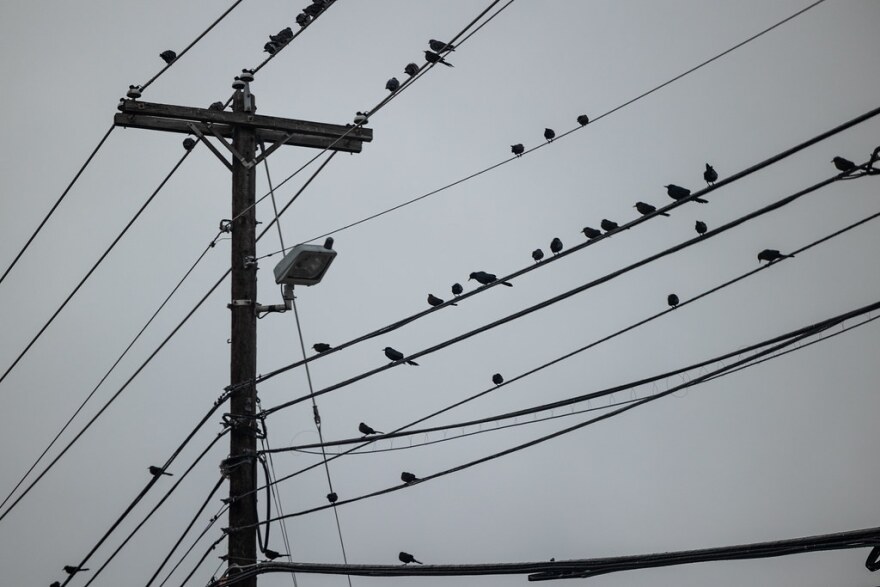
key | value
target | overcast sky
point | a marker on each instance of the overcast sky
(781, 450)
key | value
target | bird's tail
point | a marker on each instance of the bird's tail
(415, 561)
(412, 363)
(701, 200)
(447, 64)
(167, 473)
(451, 304)
(506, 283)
(664, 214)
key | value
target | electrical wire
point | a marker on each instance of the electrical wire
(57, 202)
(295, 35)
(201, 535)
(577, 128)
(276, 496)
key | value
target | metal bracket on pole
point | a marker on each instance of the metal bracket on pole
(228, 145)
(214, 149)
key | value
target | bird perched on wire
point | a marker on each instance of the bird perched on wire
(158, 471)
(314, 9)
(189, 143)
(360, 117)
(676, 192)
(72, 570)
(408, 477)
(457, 289)
(497, 379)
(366, 429)
(273, 554)
(608, 225)
(700, 227)
(487, 278)
(672, 300)
(435, 301)
(537, 255)
(549, 134)
(321, 347)
(332, 497)
(583, 120)
(440, 46)
(645, 209)
(843, 164)
(407, 558)
(517, 149)
(168, 56)
(392, 85)
(271, 48)
(411, 69)
(432, 57)
(591, 233)
(710, 175)
(396, 355)
(55, 584)
(556, 246)
(283, 37)
(771, 255)
(302, 19)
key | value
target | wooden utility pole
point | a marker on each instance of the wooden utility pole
(246, 129)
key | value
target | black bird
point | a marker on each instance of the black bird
(189, 143)
(710, 175)
(517, 149)
(313, 10)
(497, 379)
(432, 57)
(217, 106)
(272, 554)
(440, 46)
(843, 164)
(55, 584)
(271, 48)
(672, 300)
(590, 232)
(609, 225)
(411, 69)
(283, 37)
(486, 278)
(700, 227)
(549, 134)
(537, 255)
(321, 347)
(644, 209)
(676, 192)
(555, 246)
(302, 19)
(457, 289)
(332, 497)
(771, 255)
(407, 558)
(360, 117)
(396, 355)
(157, 471)
(408, 477)
(435, 301)
(583, 120)
(392, 85)
(168, 56)
(366, 429)
(71, 570)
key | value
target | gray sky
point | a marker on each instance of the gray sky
(782, 450)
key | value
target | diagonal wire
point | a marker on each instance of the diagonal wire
(201, 535)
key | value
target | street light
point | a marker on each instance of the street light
(303, 265)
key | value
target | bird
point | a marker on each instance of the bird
(457, 289)
(435, 301)
(321, 347)
(440, 46)
(314, 10)
(407, 558)
(168, 56)
(644, 209)
(189, 143)
(392, 85)
(271, 48)
(555, 246)
(590, 232)
(549, 134)
(487, 278)
(517, 149)
(771, 255)
(396, 355)
(283, 37)
(608, 225)
(672, 300)
(497, 379)
(537, 255)
(72, 570)
(710, 175)
(676, 192)
(408, 477)
(302, 19)
(360, 117)
(366, 429)
(218, 106)
(432, 57)
(700, 227)
(411, 69)
(157, 471)
(843, 164)
(55, 584)
(583, 120)
(332, 497)
(272, 554)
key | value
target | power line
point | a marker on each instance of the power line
(201, 535)
(575, 129)
(295, 35)
(57, 202)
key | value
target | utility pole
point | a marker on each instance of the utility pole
(246, 129)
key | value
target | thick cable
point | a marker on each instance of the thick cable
(57, 202)
(276, 496)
